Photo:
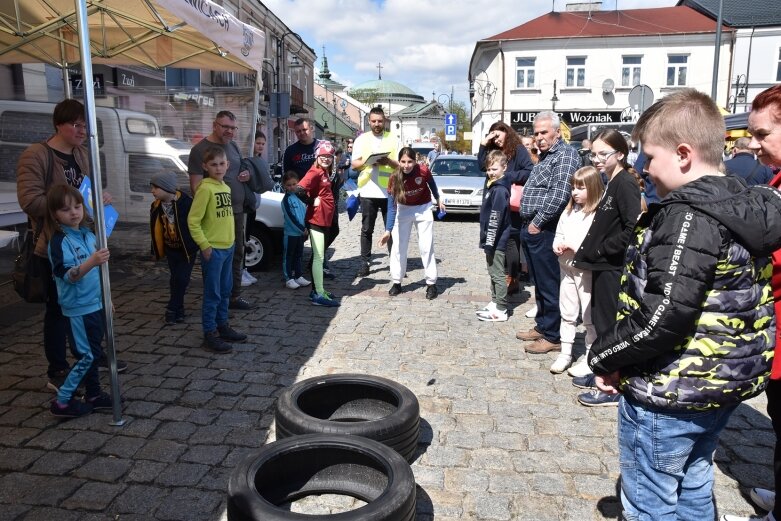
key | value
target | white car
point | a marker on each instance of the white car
(460, 182)
(265, 233)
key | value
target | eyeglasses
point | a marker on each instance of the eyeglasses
(228, 127)
(602, 156)
(78, 126)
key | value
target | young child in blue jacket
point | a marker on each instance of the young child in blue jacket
(294, 215)
(73, 258)
(494, 233)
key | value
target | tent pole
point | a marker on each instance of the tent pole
(66, 80)
(97, 203)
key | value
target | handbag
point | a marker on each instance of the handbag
(516, 193)
(31, 276)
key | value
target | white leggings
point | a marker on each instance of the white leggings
(574, 300)
(421, 217)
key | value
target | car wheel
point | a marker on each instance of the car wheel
(287, 470)
(258, 250)
(355, 404)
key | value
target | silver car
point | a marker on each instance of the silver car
(460, 182)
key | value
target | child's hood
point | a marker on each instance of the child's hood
(751, 214)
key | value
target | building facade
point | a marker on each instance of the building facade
(593, 66)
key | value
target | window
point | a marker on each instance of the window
(576, 71)
(676, 70)
(142, 168)
(778, 67)
(630, 72)
(524, 73)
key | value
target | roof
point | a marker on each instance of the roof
(387, 88)
(627, 22)
(739, 13)
(419, 109)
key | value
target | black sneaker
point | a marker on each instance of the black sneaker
(103, 364)
(585, 382)
(213, 342)
(364, 270)
(180, 316)
(431, 291)
(101, 401)
(595, 398)
(170, 318)
(240, 303)
(226, 332)
(74, 409)
(394, 290)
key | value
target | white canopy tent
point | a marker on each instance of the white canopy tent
(151, 33)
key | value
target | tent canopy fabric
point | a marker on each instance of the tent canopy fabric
(130, 32)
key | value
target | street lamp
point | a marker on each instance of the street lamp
(740, 92)
(279, 103)
(555, 98)
(449, 100)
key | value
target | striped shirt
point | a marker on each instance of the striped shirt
(548, 189)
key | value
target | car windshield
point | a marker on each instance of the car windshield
(457, 167)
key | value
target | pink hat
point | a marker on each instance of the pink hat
(324, 148)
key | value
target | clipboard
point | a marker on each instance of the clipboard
(372, 159)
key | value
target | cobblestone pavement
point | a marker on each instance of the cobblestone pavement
(502, 437)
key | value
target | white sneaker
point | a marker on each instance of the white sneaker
(763, 498)
(579, 369)
(292, 284)
(531, 313)
(301, 281)
(560, 364)
(493, 316)
(247, 279)
(487, 309)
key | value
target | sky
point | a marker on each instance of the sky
(423, 44)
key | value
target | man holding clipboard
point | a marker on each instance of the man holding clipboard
(374, 158)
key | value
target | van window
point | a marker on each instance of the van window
(31, 127)
(9, 156)
(141, 126)
(142, 168)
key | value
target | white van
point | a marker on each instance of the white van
(131, 151)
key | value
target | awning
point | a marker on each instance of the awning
(130, 32)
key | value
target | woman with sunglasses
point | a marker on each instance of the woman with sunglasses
(602, 252)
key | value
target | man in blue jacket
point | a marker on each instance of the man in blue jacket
(745, 165)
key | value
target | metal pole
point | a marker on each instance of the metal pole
(735, 97)
(278, 104)
(715, 79)
(97, 203)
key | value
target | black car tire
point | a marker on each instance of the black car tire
(313, 464)
(259, 250)
(355, 404)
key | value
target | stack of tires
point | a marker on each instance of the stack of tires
(345, 434)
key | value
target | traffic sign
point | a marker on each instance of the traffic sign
(451, 122)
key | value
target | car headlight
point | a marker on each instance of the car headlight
(479, 192)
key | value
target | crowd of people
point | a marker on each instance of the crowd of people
(666, 261)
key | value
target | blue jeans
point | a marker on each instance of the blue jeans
(666, 460)
(217, 284)
(544, 270)
(292, 254)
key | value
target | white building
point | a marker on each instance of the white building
(585, 64)
(411, 117)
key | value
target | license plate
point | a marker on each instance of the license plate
(458, 202)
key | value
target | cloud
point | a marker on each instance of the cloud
(424, 44)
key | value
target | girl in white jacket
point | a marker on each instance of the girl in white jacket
(575, 288)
